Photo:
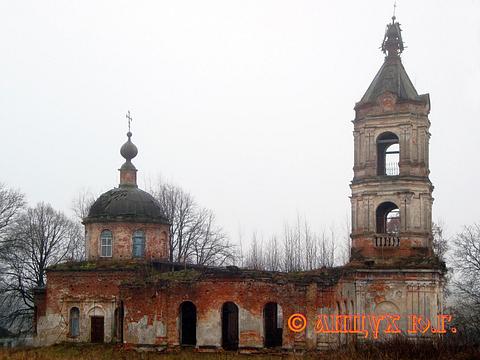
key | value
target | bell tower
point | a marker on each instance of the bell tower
(391, 191)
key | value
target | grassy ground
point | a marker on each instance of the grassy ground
(397, 351)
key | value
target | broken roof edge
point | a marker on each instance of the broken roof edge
(155, 271)
(411, 263)
(324, 276)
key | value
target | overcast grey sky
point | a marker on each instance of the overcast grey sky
(246, 104)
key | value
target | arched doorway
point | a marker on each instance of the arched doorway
(97, 330)
(188, 324)
(273, 324)
(96, 316)
(230, 326)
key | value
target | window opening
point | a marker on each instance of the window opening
(106, 239)
(138, 243)
(74, 322)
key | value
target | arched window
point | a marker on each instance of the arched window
(138, 243)
(106, 239)
(388, 154)
(74, 322)
(388, 218)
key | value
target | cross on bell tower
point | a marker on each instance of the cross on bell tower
(391, 190)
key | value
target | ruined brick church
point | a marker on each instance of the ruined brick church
(128, 292)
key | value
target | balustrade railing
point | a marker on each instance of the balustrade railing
(386, 240)
(392, 169)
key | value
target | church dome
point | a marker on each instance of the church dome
(126, 203)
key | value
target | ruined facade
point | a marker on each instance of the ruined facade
(128, 292)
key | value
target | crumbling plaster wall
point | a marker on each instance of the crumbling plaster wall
(155, 310)
(94, 293)
(152, 317)
(407, 292)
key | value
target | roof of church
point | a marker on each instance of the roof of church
(126, 203)
(160, 271)
(392, 76)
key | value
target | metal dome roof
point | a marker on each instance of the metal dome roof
(126, 203)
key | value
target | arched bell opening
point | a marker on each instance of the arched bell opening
(388, 218)
(388, 154)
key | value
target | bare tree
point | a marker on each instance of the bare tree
(327, 249)
(80, 206)
(11, 203)
(467, 283)
(212, 247)
(289, 246)
(239, 260)
(346, 247)
(82, 203)
(299, 249)
(180, 209)
(310, 247)
(273, 255)
(39, 238)
(255, 258)
(292, 247)
(193, 235)
(439, 242)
